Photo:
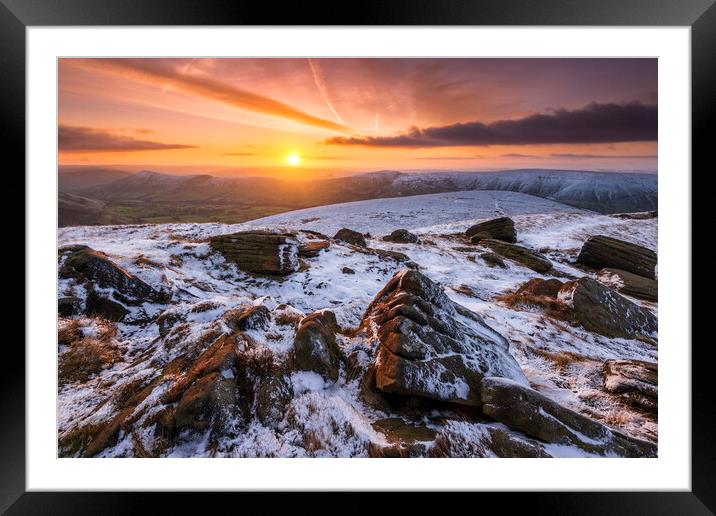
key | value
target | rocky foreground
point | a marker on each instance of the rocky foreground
(525, 336)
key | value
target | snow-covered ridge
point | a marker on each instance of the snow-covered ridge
(378, 216)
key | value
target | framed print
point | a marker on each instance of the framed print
(415, 249)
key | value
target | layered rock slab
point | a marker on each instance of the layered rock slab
(635, 381)
(602, 251)
(431, 347)
(526, 410)
(630, 284)
(602, 310)
(502, 228)
(520, 254)
(259, 252)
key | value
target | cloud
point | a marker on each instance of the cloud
(439, 158)
(579, 156)
(159, 73)
(87, 139)
(604, 156)
(518, 155)
(594, 123)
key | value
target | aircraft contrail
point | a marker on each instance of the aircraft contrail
(321, 85)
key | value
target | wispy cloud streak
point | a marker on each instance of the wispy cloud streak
(183, 79)
(87, 139)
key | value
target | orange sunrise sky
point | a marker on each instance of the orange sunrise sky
(295, 117)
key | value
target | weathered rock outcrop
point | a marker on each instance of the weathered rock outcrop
(273, 395)
(482, 440)
(431, 347)
(350, 236)
(405, 439)
(602, 251)
(210, 401)
(200, 383)
(527, 257)
(493, 260)
(67, 306)
(313, 248)
(315, 348)
(630, 284)
(251, 318)
(601, 310)
(402, 236)
(259, 252)
(502, 228)
(526, 410)
(85, 264)
(104, 307)
(635, 381)
(637, 215)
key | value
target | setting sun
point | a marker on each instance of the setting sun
(293, 159)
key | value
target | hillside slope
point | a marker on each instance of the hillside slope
(596, 191)
(128, 407)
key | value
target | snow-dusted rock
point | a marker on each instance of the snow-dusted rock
(469, 440)
(525, 410)
(210, 402)
(251, 318)
(350, 236)
(402, 236)
(630, 284)
(603, 251)
(493, 259)
(84, 264)
(273, 394)
(431, 347)
(102, 306)
(502, 228)
(315, 348)
(313, 248)
(635, 381)
(68, 305)
(520, 254)
(599, 309)
(259, 252)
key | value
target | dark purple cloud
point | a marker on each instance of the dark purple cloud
(87, 139)
(604, 156)
(594, 123)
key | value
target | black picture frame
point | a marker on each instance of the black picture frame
(17, 15)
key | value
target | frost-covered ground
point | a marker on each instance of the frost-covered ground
(177, 257)
(380, 216)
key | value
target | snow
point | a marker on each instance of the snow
(205, 286)
(380, 216)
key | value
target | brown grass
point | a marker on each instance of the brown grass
(617, 417)
(561, 359)
(85, 358)
(70, 332)
(287, 318)
(76, 439)
(520, 300)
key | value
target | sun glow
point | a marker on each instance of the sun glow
(293, 159)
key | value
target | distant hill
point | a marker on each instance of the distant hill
(75, 179)
(74, 210)
(167, 196)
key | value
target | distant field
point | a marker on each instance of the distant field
(166, 212)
